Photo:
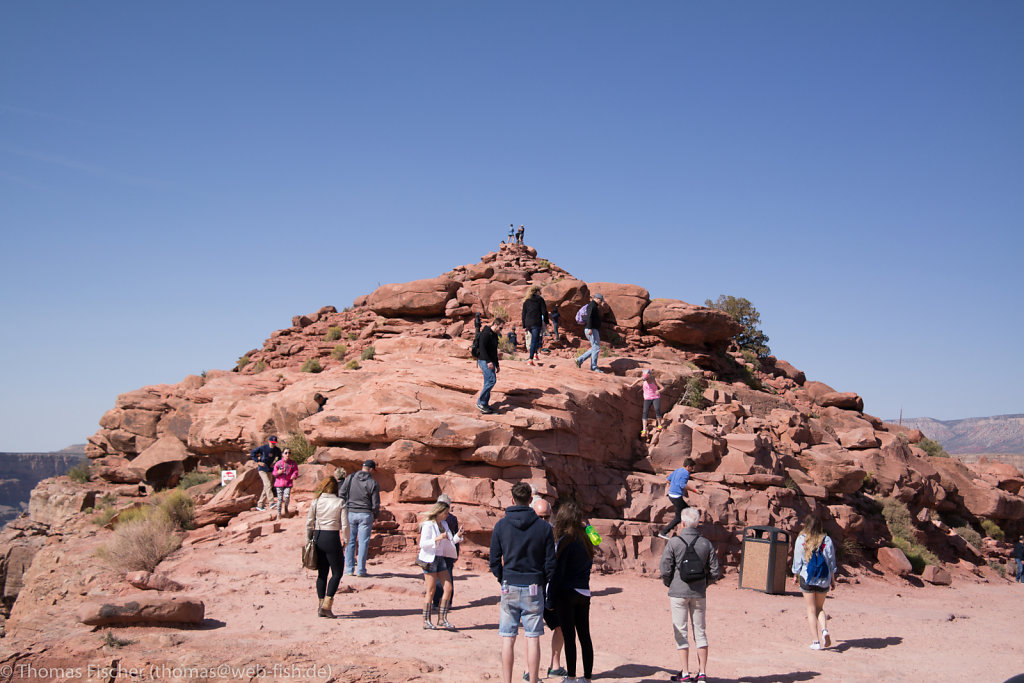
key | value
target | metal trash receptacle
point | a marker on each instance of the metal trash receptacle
(763, 565)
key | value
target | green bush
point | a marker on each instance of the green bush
(850, 550)
(543, 264)
(368, 353)
(352, 365)
(992, 530)
(312, 365)
(693, 395)
(750, 357)
(141, 545)
(136, 513)
(302, 450)
(106, 500)
(999, 568)
(351, 336)
(901, 526)
(932, 448)
(504, 345)
(178, 507)
(339, 351)
(917, 554)
(969, 535)
(333, 333)
(110, 640)
(80, 472)
(869, 483)
(260, 366)
(242, 362)
(104, 516)
(742, 311)
(498, 311)
(194, 478)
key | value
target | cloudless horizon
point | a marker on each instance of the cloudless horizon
(178, 181)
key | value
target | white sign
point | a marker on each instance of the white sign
(226, 476)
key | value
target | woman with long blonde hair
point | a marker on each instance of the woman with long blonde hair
(323, 525)
(437, 542)
(814, 570)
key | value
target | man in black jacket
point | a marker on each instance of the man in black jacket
(265, 456)
(535, 318)
(488, 362)
(361, 494)
(592, 329)
(522, 558)
(1018, 555)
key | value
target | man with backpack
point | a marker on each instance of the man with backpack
(265, 456)
(485, 350)
(689, 565)
(590, 317)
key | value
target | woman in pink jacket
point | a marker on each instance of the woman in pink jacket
(285, 471)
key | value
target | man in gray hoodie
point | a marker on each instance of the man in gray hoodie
(361, 494)
(687, 597)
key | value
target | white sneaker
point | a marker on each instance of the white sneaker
(826, 639)
(815, 645)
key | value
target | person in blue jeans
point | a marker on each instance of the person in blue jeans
(535, 318)
(522, 558)
(592, 330)
(678, 483)
(1018, 556)
(361, 494)
(488, 362)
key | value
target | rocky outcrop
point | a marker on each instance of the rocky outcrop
(20, 472)
(143, 608)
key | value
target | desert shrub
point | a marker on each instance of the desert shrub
(932, 448)
(300, 447)
(203, 374)
(969, 535)
(742, 311)
(693, 395)
(104, 516)
(352, 365)
(504, 345)
(869, 483)
(106, 500)
(901, 526)
(242, 362)
(850, 549)
(312, 365)
(368, 353)
(178, 507)
(80, 472)
(339, 351)
(333, 333)
(110, 640)
(351, 336)
(543, 264)
(917, 554)
(998, 568)
(137, 513)
(140, 545)
(194, 478)
(992, 530)
(260, 366)
(750, 357)
(498, 311)
(790, 484)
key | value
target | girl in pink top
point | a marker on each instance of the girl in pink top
(285, 471)
(652, 396)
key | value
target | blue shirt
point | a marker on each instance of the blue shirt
(677, 482)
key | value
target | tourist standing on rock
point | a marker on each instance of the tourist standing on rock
(519, 234)
(652, 397)
(522, 558)
(488, 362)
(553, 316)
(511, 233)
(437, 544)
(285, 471)
(1018, 556)
(570, 587)
(453, 525)
(535, 318)
(362, 497)
(592, 330)
(689, 565)
(814, 570)
(323, 525)
(265, 456)
(678, 483)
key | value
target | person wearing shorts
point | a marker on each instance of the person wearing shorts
(522, 558)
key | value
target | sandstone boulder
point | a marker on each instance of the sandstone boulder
(162, 464)
(683, 323)
(418, 298)
(846, 400)
(626, 302)
(151, 581)
(143, 608)
(936, 575)
(893, 560)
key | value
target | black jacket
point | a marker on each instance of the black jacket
(572, 568)
(361, 493)
(489, 346)
(535, 312)
(522, 548)
(592, 320)
(1018, 551)
(265, 456)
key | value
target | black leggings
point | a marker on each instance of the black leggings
(574, 615)
(679, 504)
(648, 402)
(328, 557)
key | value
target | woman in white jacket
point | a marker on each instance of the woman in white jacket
(436, 543)
(323, 525)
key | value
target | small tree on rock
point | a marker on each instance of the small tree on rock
(742, 311)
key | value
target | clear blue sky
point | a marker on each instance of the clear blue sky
(178, 179)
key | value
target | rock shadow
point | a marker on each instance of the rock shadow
(867, 643)
(610, 590)
(642, 673)
(370, 613)
(209, 625)
(480, 602)
(773, 678)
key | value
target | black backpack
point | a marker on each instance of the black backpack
(692, 567)
(474, 350)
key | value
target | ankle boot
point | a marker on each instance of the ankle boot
(442, 620)
(325, 608)
(427, 611)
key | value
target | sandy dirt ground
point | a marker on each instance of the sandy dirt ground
(260, 608)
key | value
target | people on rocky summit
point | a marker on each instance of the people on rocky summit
(453, 524)
(814, 570)
(554, 316)
(519, 234)
(689, 564)
(652, 397)
(511, 232)
(522, 558)
(678, 483)
(592, 330)
(437, 543)
(570, 587)
(1018, 557)
(555, 668)
(535, 318)
(362, 497)
(265, 456)
(488, 362)
(285, 471)
(323, 525)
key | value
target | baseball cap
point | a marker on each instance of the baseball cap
(272, 439)
(599, 296)
(443, 498)
(371, 464)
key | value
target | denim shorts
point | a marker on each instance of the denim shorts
(517, 605)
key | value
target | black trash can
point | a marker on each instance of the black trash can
(763, 566)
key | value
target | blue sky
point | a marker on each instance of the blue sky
(178, 179)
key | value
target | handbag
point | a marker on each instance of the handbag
(309, 550)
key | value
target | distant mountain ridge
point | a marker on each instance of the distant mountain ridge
(996, 434)
(20, 472)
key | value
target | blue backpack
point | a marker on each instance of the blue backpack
(817, 567)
